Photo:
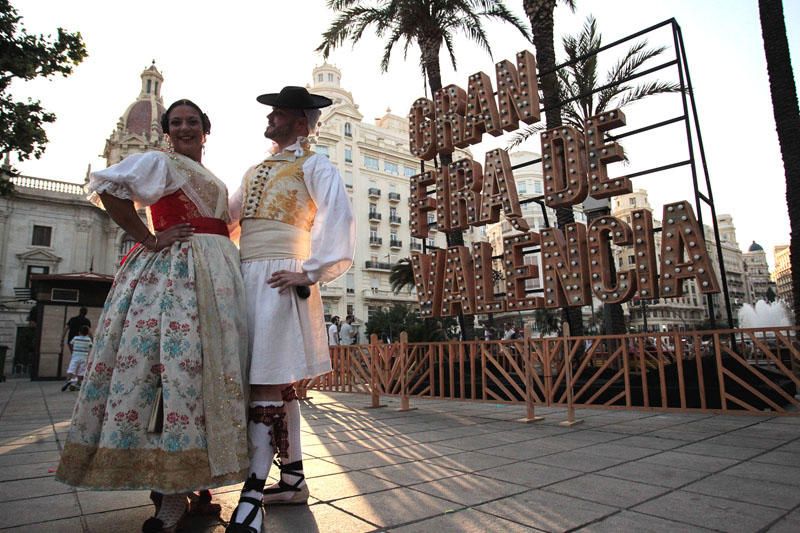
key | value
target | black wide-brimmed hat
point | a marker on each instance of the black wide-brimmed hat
(295, 98)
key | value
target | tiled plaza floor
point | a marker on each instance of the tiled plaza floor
(453, 466)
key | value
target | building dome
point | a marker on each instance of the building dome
(139, 127)
(141, 115)
(755, 247)
(144, 114)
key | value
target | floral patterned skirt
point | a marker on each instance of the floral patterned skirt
(153, 333)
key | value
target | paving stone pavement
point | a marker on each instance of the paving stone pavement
(452, 466)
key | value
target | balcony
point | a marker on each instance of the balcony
(330, 290)
(394, 243)
(375, 241)
(374, 192)
(377, 265)
(374, 215)
(394, 196)
(395, 220)
(388, 295)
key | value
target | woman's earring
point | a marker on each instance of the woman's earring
(170, 148)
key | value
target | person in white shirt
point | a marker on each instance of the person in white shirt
(333, 332)
(297, 231)
(348, 332)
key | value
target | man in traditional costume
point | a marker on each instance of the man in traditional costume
(297, 230)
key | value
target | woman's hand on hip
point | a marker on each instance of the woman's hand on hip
(284, 279)
(173, 234)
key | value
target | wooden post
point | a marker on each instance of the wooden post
(404, 404)
(530, 415)
(374, 381)
(570, 421)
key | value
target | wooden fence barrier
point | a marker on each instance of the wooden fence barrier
(732, 371)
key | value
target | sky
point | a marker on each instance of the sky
(223, 56)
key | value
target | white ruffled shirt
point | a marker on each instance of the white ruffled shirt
(333, 233)
(144, 178)
(147, 177)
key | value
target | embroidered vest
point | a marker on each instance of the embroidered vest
(276, 190)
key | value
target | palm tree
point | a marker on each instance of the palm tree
(540, 14)
(579, 80)
(402, 275)
(430, 24)
(787, 123)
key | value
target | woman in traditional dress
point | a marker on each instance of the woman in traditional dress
(162, 406)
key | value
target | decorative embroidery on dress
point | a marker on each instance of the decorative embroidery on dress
(206, 187)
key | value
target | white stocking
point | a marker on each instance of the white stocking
(261, 453)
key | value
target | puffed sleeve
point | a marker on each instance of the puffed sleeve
(333, 234)
(143, 178)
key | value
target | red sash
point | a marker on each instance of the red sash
(177, 208)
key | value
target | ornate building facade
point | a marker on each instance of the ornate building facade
(783, 274)
(758, 272)
(48, 227)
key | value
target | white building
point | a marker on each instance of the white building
(375, 164)
(757, 271)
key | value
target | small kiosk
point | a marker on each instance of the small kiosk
(59, 297)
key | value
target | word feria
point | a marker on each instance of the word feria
(575, 259)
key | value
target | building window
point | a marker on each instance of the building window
(409, 171)
(351, 310)
(330, 76)
(350, 281)
(537, 187)
(319, 77)
(322, 150)
(431, 243)
(148, 85)
(522, 187)
(371, 162)
(372, 310)
(35, 269)
(348, 178)
(632, 201)
(41, 235)
(373, 233)
(348, 130)
(390, 168)
(348, 155)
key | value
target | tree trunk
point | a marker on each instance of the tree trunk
(787, 124)
(540, 14)
(430, 60)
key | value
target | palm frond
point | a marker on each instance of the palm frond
(648, 89)
(524, 134)
(402, 275)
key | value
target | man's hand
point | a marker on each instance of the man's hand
(284, 279)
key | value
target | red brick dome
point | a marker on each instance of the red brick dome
(141, 114)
